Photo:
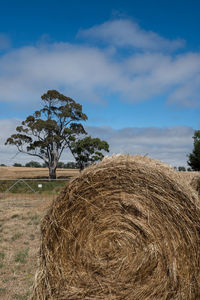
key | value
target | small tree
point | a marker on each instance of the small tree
(61, 165)
(88, 150)
(17, 165)
(71, 165)
(181, 168)
(33, 164)
(50, 130)
(194, 157)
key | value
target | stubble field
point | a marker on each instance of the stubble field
(24, 172)
(19, 246)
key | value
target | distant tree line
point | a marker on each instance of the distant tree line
(182, 169)
(75, 165)
(36, 164)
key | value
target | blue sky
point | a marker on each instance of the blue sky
(133, 65)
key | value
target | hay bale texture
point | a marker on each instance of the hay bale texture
(125, 229)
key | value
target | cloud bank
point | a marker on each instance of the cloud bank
(88, 71)
(170, 145)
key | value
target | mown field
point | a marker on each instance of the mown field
(24, 172)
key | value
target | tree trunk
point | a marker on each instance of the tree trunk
(53, 164)
(52, 172)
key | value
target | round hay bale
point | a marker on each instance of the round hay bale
(125, 229)
(195, 183)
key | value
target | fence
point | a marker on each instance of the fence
(28, 192)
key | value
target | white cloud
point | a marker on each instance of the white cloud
(187, 94)
(170, 145)
(73, 68)
(123, 33)
(156, 74)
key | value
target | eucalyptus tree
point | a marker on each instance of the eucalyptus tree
(88, 150)
(50, 130)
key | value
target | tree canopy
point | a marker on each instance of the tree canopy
(50, 130)
(88, 150)
(194, 157)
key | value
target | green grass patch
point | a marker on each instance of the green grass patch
(16, 236)
(34, 217)
(48, 186)
(21, 256)
(2, 255)
(2, 291)
(35, 220)
(32, 237)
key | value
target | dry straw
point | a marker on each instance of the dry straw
(125, 229)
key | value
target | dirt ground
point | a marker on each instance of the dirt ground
(19, 246)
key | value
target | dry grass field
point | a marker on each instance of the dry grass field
(19, 245)
(23, 172)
